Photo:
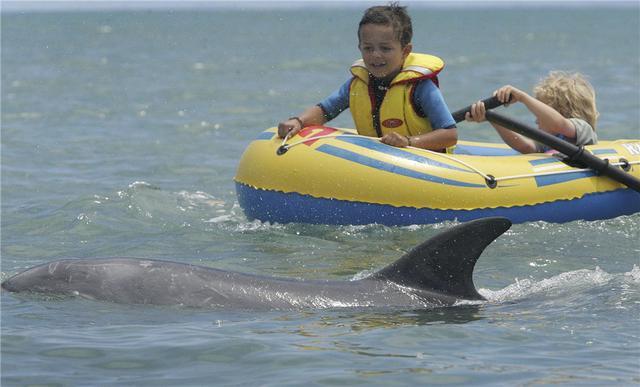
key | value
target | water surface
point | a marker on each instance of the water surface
(121, 132)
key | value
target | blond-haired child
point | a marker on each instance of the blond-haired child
(564, 106)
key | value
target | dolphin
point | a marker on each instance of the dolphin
(435, 273)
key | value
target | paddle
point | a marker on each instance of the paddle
(573, 152)
(489, 103)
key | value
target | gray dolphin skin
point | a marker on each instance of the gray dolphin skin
(435, 273)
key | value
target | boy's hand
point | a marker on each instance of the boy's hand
(477, 113)
(509, 94)
(395, 139)
(290, 126)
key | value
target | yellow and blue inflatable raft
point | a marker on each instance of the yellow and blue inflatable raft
(326, 175)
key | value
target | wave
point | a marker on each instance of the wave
(572, 286)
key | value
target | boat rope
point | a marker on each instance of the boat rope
(488, 177)
(575, 170)
(285, 139)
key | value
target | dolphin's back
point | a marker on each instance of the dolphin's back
(158, 282)
(437, 272)
(445, 263)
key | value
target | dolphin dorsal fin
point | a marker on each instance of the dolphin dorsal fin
(445, 262)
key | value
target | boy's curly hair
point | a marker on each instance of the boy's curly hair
(390, 15)
(570, 94)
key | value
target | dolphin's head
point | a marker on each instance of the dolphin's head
(53, 277)
(118, 279)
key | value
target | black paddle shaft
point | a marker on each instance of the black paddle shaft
(489, 103)
(574, 152)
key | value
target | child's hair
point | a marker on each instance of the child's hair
(570, 94)
(390, 15)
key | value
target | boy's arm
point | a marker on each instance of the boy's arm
(548, 118)
(444, 134)
(313, 115)
(514, 140)
(437, 139)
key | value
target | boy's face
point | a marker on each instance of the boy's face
(381, 50)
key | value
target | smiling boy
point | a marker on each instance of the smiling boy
(393, 93)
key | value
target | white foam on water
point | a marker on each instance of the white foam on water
(567, 282)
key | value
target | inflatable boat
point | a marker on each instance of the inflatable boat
(328, 175)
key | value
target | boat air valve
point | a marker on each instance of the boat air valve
(491, 181)
(282, 149)
(625, 165)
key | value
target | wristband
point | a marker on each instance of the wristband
(299, 121)
(408, 140)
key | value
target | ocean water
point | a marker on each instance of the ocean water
(121, 133)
